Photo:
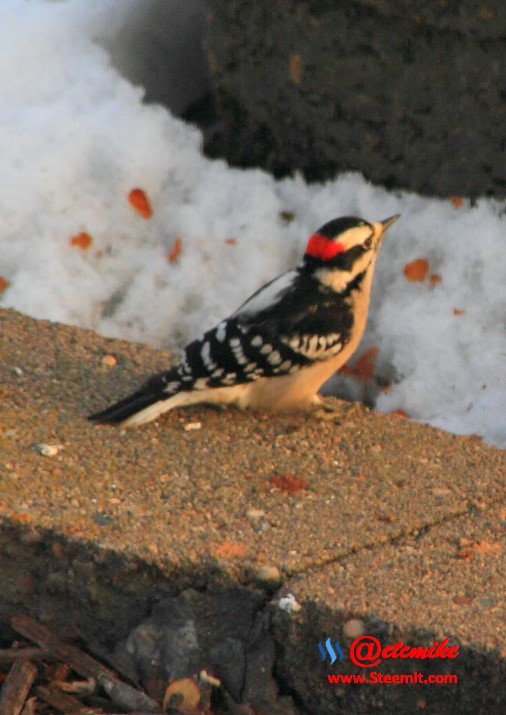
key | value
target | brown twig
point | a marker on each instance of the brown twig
(94, 647)
(120, 693)
(30, 707)
(64, 703)
(16, 687)
(7, 655)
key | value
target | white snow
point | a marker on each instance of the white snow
(75, 139)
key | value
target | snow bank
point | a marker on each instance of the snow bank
(75, 139)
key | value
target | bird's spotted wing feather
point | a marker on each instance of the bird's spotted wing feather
(283, 328)
(232, 354)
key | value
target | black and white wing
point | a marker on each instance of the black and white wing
(278, 331)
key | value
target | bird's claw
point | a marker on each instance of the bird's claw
(327, 413)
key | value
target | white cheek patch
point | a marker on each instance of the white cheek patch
(355, 236)
(335, 279)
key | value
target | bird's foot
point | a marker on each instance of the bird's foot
(327, 413)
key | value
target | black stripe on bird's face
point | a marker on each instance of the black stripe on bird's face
(334, 228)
(339, 244)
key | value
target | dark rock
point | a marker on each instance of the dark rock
(408, 93)
(259, 688)
(165, 646)
(225, 632)
(229, 663)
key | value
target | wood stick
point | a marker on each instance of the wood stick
(75, 687)
(128, 697)
(94, 647)
(30, 707)
(83, 664)
(16, 687)
(62, 702)
(7, 655)
(122, 694)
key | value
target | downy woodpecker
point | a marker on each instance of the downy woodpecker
(281, 345)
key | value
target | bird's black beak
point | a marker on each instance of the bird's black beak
(389, 221)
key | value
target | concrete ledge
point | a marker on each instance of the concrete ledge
(390, 521)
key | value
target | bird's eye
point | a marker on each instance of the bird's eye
(368, 243)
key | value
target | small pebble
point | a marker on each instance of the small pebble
(48, 450)
(192, 425)
(18, 371)
(353, 628)
(289, 604)
(102, 519)
(255, 514)
(109, 361)
(438, 492)
(267, 573)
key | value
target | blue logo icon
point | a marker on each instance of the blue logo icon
(331, 651)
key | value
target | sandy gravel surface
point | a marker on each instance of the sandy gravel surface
(385, 514)
(367, 480)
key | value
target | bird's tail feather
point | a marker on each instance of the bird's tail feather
(127, 407)
(143, 405)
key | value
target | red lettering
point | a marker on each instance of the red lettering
(405, 652)
(453, 651)
(396, 647)
(387, 651)
(442, 650)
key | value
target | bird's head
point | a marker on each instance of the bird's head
(344, 248)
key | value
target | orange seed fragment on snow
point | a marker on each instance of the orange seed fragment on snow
(400, 413)
(4, 284)
(434, 279)
(457, 311)
(416, 270)
(364, 366)
(139, 201)
(175, 251)
(457, 201)
(81, 240)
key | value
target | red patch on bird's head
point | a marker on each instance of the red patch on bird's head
(323, 248)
